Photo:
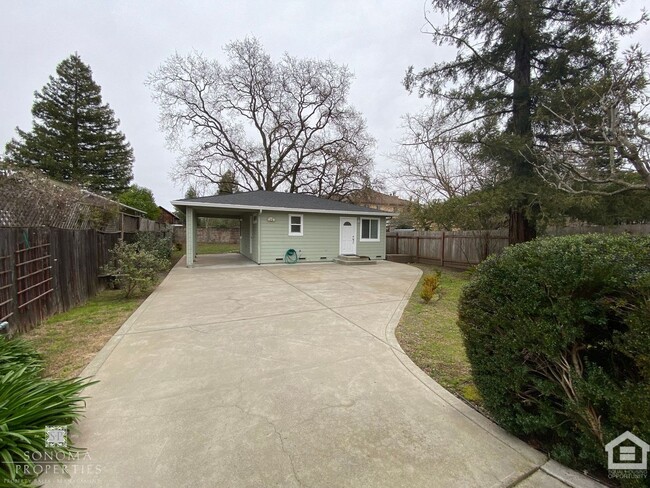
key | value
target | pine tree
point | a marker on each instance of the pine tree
(228, 183)
(512, 56)
(75, 137)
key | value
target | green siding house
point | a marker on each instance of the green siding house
(273, 222)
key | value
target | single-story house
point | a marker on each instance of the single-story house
(317, 229)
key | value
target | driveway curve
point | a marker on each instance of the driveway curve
(246, 376)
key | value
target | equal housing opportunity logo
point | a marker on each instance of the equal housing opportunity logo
(627, 456)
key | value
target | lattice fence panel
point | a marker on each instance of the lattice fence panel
(6, 288)
(33, 273)
(29, 199)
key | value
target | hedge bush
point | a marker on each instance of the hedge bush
(135, 266)
(160, 245)
(558, 334)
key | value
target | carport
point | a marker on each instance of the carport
(196, 210)
(307, 228)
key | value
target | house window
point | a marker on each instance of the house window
(370, 229)
(295, 225)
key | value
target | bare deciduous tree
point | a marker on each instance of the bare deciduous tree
(601, 146)
(282, 125)
(434, 162)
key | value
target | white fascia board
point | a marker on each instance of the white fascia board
(181, 203)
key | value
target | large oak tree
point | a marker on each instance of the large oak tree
(276, 125)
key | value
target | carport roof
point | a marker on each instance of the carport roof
(279, 201)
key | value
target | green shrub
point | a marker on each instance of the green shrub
(430, 284)
(29, 403)
(135, 266)
(161, 246)
(558, 333)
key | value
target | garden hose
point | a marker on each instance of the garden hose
(291, 256)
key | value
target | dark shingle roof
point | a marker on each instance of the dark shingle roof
(271, 199)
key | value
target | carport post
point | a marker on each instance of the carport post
(190, 236)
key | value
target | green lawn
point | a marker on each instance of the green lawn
(429, 335)
(210, 248)
(69, 340)
(216, 248)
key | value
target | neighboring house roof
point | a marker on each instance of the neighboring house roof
(368, 196)
(171, 215)
(269, 200)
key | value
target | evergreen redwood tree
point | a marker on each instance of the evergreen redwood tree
(75, 136)
(512, 57)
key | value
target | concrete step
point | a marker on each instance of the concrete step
(354, 260)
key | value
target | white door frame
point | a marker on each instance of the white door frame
(353, 220)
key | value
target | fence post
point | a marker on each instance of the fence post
(442, 249)
(396, 243)
(417, 249)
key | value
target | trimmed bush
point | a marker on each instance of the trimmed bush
(558, 334)
(430, 284)
(29, 403)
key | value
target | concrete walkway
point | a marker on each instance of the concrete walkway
(284, 376)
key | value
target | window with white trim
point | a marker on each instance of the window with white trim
(295, 224)
(370, 230)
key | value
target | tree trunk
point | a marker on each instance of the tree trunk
(521, 228)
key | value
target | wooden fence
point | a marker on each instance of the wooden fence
(638, 229)
(47, 270)
(454, 249)
(467, 248)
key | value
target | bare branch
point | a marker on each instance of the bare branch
(282, 125)
(607, 150)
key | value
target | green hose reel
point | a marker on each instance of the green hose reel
(291, 256)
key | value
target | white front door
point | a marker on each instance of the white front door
(348, 235)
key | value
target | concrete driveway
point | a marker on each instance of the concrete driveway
(233, 376)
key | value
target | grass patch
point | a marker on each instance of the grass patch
(430, 337)
(210, 248)
(68, 341)
(216, 248)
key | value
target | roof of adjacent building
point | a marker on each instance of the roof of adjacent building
(374, 197)
(270, 200)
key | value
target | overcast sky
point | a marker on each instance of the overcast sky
(123, 41)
